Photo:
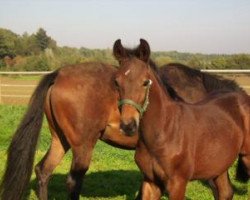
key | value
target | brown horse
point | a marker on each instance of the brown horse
(179, 142)
(80, 104)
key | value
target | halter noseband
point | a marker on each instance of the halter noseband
(140, 108)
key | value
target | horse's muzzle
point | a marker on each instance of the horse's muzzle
(129, 128)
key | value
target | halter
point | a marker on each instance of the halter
(140, 108)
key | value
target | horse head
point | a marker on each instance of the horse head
(133, 84)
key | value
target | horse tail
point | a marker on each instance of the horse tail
(21, 151)
(241, 171)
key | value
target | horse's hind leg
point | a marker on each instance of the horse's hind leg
(222, 188)
(80, 164)
(243, 169)
(49, 162)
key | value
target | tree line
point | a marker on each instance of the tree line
(40, 52)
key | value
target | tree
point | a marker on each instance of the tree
(162, 60)
(194, 62)
(7, 43)
(220, 62)
(239, 61)
(43, 40)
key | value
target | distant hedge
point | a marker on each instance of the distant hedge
(40, 52)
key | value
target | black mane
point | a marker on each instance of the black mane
(210, 82)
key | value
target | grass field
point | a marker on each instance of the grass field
(112, 174)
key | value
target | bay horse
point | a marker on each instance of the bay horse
(178, 141)
(80, 104)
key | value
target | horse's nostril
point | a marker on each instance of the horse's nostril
(129, 128)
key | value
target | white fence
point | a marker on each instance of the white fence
(234, 72)
(14, 95)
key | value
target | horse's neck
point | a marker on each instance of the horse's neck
(161, 93)
(160, 101)
(159, 115)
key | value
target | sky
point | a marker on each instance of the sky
(197, 26)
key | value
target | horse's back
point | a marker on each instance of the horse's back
(228, 105)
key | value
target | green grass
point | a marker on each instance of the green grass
(112, 174)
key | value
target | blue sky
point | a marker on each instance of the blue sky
(215, 26)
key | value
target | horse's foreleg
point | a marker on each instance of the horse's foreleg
(49, 162)
(80, 164)
(149, 190)
(221, 187)
(176, 187)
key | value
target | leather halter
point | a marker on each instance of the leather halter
(140, 108)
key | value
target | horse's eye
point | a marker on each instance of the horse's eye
(147, 83)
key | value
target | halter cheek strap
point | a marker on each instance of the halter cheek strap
(140, 108)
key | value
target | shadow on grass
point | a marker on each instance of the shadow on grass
(107, 184)
(239, 189)
(102, 184)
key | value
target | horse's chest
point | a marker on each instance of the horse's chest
(157, 164)
(148, 164)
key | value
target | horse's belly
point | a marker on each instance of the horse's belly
(210, 164)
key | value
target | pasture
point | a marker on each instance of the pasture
(112, 174)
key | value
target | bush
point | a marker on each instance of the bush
(2, 64)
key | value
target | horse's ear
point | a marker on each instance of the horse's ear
(144, 50)
(118, 51)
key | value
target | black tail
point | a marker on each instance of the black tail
(241, 173)
(22, 149)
